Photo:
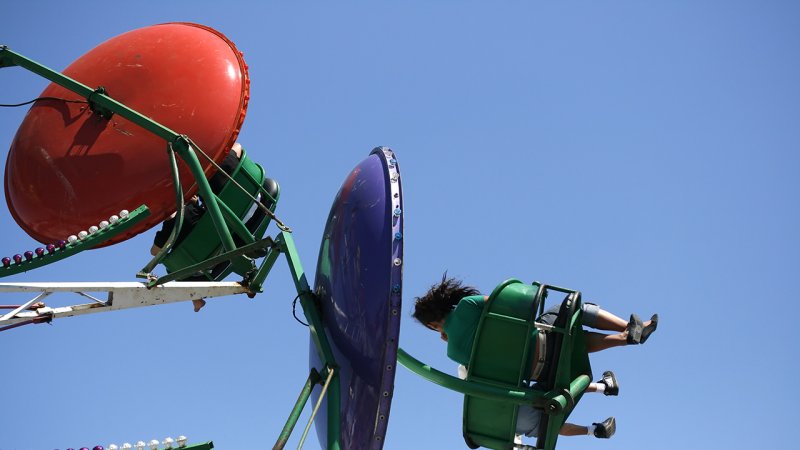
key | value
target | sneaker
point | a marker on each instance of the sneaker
(606, 428)
(635, 330)
(610, 381)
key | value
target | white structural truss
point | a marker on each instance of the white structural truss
(122, 295)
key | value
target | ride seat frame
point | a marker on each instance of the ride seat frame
(502, 355)
(235, 200)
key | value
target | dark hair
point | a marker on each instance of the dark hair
(440, 299)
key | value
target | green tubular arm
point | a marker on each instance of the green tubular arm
(474, 388)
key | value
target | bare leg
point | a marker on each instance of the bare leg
(609, 322)
(570, 429)
(596, 342)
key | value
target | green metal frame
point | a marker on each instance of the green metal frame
(106, 106)
(496, 385)
(72, 248)
(204, 446)
(285, 244)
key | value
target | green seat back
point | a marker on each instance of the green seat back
(501, 356)
(203, 241)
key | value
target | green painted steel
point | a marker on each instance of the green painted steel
(202, 242)
(478, 389)
(91, 241)
(302, 399)
(204, 446)
(285, 242)
(9, 58)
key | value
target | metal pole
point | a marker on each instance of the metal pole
(316, 407)
(474, 388)
(313, 378)
(285, 242)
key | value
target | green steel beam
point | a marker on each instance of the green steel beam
(474, 388)
(294, 416)
(285, 242)
(91, 241)
(204, 446)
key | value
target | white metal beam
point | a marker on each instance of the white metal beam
(120, 295)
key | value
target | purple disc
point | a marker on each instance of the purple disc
(98, 447)
(6, 261)
(17, 258)
(51, 248)
(62, 243)
(39, 251)
(358, 283)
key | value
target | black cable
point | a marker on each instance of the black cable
(294, 310)
(43, 98)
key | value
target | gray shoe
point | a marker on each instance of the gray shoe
(635, 326)
(606, 428)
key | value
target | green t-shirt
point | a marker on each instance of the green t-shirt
(460, 327)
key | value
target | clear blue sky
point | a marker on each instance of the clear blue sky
(645, 153)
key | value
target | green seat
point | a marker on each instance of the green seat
(203, 241)
(501, 356)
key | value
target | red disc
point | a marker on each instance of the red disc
(68, 168)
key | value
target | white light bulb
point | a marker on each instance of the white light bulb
(72, 238)
(124, 213)
(82, 234)
(113, 218)
(181, 441)
(104, 224)
(126, 446)
(140, 445)
(153, 444)
(93, 229)
(168, 443)
(112, 447)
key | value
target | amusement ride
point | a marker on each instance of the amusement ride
(130, 135)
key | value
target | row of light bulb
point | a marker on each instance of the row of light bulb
(168, 443)
(94, 229)
(51, 248)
